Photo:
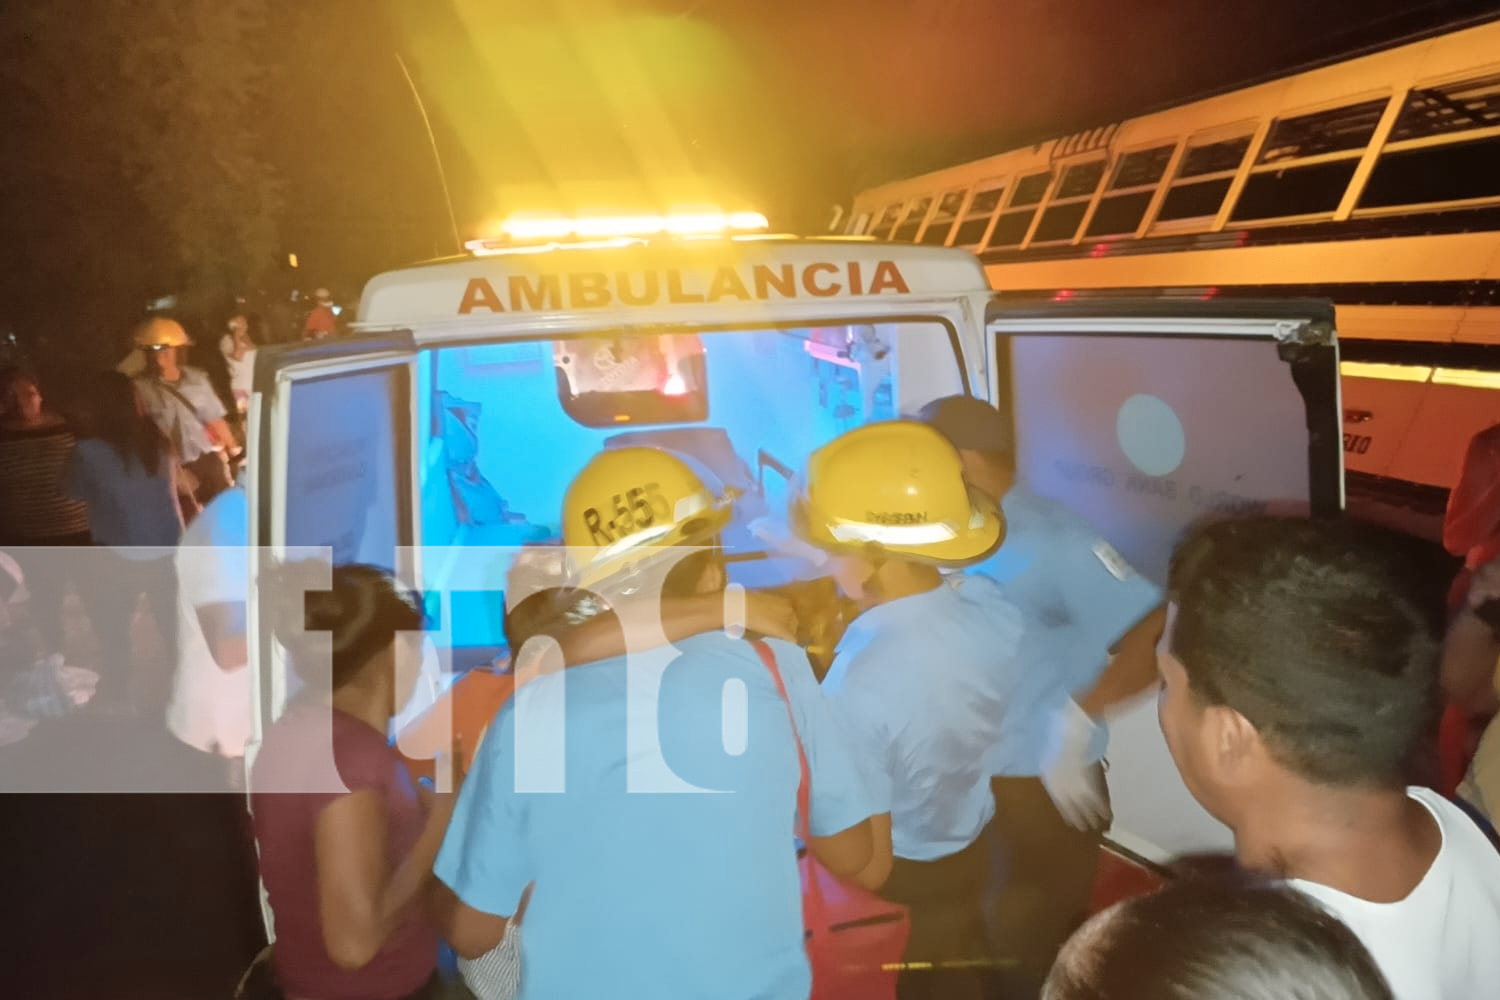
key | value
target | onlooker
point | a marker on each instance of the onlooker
(322, 321)
(1216, 940)
(125, 471)
(210, 708)
(182, 401)
(36, 518)
(1471, 662)
(239, 355)
(1301, 676)
(670, 887)
(346, 843)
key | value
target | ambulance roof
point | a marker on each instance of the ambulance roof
(666, 280)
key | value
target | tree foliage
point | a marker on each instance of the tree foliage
(132, 155)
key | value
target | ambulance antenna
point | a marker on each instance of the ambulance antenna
(436, 156)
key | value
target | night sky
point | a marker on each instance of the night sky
(785, 106)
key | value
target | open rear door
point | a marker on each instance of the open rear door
(331, 432)
(1144, 417)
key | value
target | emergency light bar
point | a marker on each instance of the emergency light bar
(527, 229)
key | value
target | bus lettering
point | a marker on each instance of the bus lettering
(1356, 444)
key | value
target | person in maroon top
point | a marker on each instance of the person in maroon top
(347, 841)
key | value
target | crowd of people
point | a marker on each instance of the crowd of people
(950, 756)
(127, 489)
(949, 760)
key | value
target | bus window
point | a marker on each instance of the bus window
(1131, 188)
(1432, 157)
(1203, 179)
(1015, 221)
(977, 217)
(936, 233)
(886, 222)
(1283, 185)
(1069, 204)
(915, 216)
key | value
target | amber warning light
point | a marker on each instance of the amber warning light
(532, 229)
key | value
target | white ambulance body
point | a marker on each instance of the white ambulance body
(475, 388)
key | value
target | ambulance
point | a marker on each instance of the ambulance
(474, 388)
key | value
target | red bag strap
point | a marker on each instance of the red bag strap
(814, 891)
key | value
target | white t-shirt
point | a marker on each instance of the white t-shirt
(241, 372)
(1442, 942)
(210, 708)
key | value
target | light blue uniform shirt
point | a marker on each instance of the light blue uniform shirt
(654, 894)
(924, 687)
(1077, 597)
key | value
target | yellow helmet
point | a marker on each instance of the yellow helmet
(159, 331)
(896, 486)
(628, 504)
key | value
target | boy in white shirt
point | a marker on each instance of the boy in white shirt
(1300, 676)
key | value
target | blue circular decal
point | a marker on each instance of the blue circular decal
(1151, 435)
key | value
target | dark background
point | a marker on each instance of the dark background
(189, 146)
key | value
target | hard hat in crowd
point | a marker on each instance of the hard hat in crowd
(630, 504)
(897, 487)
(159, 331)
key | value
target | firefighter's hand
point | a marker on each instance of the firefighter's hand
(1069, 774)
(768, 614)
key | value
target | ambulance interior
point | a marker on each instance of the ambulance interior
(1141, 424)
(508, 425)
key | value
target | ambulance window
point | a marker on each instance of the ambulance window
(626, 378)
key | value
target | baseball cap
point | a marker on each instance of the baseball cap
(970, 424)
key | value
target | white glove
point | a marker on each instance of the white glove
(1069, 774)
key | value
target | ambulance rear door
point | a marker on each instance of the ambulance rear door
(1144, 416)
(333, 468)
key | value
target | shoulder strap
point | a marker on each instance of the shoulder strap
(173, 391)
(515, 921)
(814, 912)
(804, 790)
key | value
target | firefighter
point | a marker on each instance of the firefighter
(182, 402)
(924, 678)
(708, 883)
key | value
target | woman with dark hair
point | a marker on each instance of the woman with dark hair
(1226, 939)
(346, 841)
(36, 518)
(124, 469)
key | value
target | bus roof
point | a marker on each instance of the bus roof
(668, 277)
